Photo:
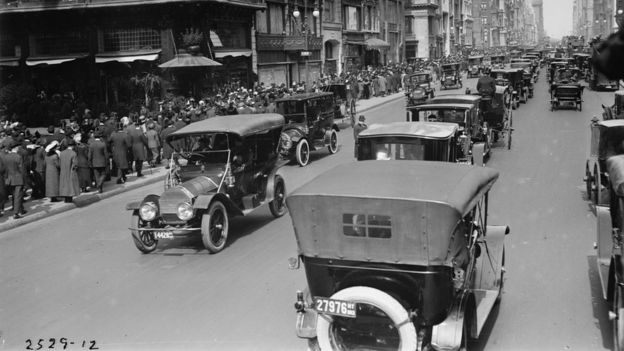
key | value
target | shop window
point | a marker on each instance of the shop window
(130, 39)
(233, 35)
(59, 43)
(7, 45)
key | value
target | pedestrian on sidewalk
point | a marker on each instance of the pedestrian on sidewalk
(357, 129)
(98, 158)
(153, 144)
(68, 180)
(120, 144)
(138, 143)
(15, 179)
(52, 171)
(82, 156)
(3, 173)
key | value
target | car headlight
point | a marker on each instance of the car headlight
(185, 211)
(286, 141)
(148, 211)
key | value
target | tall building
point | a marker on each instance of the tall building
(423, 34)
(538, 10)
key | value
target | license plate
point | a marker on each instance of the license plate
(335, 307)
(163, 235)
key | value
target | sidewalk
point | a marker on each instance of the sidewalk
(42, 208)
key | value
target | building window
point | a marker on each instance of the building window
(484, 20)
(411, 51)
(329, 50)
(130, 39)
(351, 20)
(328, 11)
(409, 25)
(60, 43)
(234, 35)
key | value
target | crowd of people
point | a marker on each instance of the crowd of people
(79, 154)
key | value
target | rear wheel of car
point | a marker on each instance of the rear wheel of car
(215, 227)
(333, 142)
(143, 239)
(340, 333)
(618, 320)
(303, 153)
(276, 206)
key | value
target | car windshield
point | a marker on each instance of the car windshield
(292, 110)
(205, 148)
(403, 148)
(450, 115)
(421, 78)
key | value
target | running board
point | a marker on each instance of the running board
(485, 301)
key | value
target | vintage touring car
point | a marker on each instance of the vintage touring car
(419, 88)
(451, 76)
(228, 167)
(425, 141)
(607, 139)
(396, 267)
(309, 125)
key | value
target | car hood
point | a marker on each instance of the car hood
(186, 192)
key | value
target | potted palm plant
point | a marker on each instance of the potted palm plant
(191, 39)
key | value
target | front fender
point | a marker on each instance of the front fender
(135, 205)
(202, 202)
(295, 134)
(270, 186)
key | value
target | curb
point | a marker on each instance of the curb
(86, 200)
(81, 201)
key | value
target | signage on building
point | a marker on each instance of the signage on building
(306, 53)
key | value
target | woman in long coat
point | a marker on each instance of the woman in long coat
(52, 171)
(68, 181)
(84, 171)
(3, 190)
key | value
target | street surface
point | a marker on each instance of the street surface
(78, 276)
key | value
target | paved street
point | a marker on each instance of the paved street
(77, 274)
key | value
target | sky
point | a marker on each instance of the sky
(558, 17)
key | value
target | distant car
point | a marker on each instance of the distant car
(309, 125)
(470, 122)
(475, 66)
(395, 267)
(451, 76)
(419, 88)
(514, 78)
(425, 141)
(228, 167)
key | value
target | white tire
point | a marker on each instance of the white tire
(386, 303)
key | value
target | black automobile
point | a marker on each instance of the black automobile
(419, 88)
(395, 267)
(227, 167)
(309, 125)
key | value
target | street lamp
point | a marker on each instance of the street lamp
(306, 30)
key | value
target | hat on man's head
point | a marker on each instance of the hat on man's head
(71, 142)
(51, 146)
(362, 118)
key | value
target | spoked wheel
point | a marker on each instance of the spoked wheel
(333, 142)
(215, 227)
(143, 239)
(279, 195)
(303, 153)
(618, 320)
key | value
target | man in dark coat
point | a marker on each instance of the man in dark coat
(357, 129)
(138, 143)
(98, 159)
(15, 179)
(119, 145)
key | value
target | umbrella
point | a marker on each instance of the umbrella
(188, 60)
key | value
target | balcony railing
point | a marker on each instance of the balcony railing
(279, 42)
(38, 5)
(424, 3)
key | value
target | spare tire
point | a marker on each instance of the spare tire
(379, 299)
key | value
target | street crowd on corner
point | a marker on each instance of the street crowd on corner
(78, 153)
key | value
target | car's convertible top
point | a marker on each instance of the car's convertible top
(238, 124)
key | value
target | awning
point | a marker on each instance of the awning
(53, 60)
(352, 42)
(374, 43)
(127, 56)
(216, 41)
(233, 53)
(9, 61)
(188, 60)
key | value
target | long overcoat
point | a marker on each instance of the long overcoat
(120, 144)
(52, 174)
(138, 142)
(68, 180)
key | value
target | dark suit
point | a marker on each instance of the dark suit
(15, 179)
(138, 143)
(98, 159)
(120, 144)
